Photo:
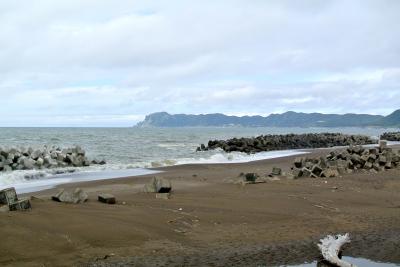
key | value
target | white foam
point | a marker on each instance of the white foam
(233, 157)
(50, 180)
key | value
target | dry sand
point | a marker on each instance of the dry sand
(209, 221)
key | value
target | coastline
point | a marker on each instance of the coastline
(209, 220)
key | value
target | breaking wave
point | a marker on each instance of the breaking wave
(34, 180)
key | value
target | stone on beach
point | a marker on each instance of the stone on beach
(158, 185)
(276, 171)
(9, 201)
(21, 204)
(106, 198)
(77, 196)
(8, 195)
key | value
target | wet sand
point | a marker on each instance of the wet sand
(209, 221)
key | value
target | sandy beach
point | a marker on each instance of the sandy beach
(209, 220)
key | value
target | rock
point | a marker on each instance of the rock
(251, 177)
(306, 172)
(297, 173)
(355, 159)
(106, 198)
(382, 160)
(276, 171)
(316, 170)
(158, 185)
(22, 204)
(388, 165)
(298, 162)
(368, 165)
(78, 196)
(39, 162)
(8, 195)
(330, 173)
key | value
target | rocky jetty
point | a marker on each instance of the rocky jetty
(353, 159)
(391, 136)
(288, 141)
(45, 158)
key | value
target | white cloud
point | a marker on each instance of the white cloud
(97, 58)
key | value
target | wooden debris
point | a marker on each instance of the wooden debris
(330, 247)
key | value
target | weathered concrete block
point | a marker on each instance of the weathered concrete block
(107, 198)
(276, 171)
(316, 170)
(330, 173)
(158, 185)
(388, 165)
(297, 173)
(251, 177)
(306, 172)
(8, 195)
(368, 165)
(382, 160)
(22, 204)
(78, 196)
(298, 162)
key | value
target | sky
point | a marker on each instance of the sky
(109, 63)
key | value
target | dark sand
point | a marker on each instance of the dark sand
(209, 221)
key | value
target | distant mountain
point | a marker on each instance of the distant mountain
(287, 119)
(392, 119)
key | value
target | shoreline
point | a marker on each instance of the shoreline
(209, 220)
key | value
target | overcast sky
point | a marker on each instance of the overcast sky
(109, 63)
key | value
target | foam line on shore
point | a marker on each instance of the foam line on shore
(55, 180)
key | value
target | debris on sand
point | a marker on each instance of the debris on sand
(106, 198)
(158, 185)
(77, 196)
(330, 247)
(340, 162)
(9, 201)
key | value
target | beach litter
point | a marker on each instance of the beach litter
(106, 198)
(75, 197)
(9, 201)
(330, 247)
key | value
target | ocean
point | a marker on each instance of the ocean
(132, 151)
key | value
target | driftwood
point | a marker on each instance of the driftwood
(330, 247)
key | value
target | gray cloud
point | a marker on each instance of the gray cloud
(99, 63)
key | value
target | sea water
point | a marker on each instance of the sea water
(360, 262)
(132, 151)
